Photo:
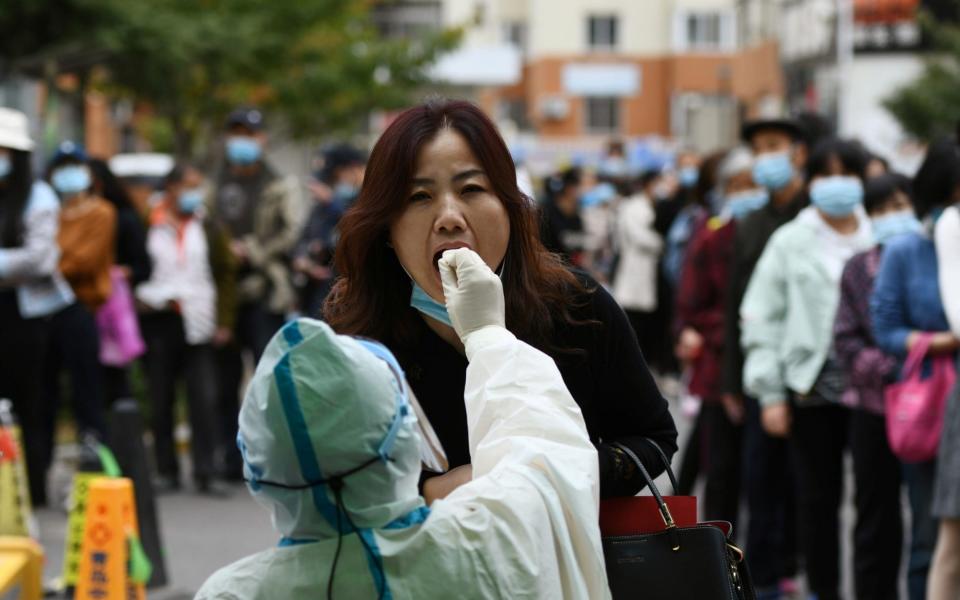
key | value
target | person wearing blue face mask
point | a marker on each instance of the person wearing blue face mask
(879, 531)
(768, 477)
(187, 308)
(700, 304)
(334, 189)
(86, 240)
(791, 366)
(261, 211)
(32, 289)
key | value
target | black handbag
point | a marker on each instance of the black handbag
(678, 563)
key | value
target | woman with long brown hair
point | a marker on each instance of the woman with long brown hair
(441, 177)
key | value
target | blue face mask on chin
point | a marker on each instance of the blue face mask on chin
(243, 150)
(837, 195)
(895, 224)
(420, 300)
(5, 166)
(773, 170)
(71, 179)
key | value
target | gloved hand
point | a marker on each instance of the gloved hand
(473, 293)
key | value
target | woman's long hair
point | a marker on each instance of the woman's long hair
(372, 295)
(14, 193)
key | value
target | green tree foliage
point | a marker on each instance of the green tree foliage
(929, 106)
(319, 64)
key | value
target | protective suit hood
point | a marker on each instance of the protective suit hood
(320, 405)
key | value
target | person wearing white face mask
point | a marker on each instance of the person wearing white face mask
(86, 240)
(187, 309)
(787, 319)
(261, 210)
(31, 287)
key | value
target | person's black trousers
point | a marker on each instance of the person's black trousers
(169, 357)
(722, 451)
(768, 486)
(75, 347)
(878, 534)
(818, 439)
(255, 326)
(116, 384)
(23, 345)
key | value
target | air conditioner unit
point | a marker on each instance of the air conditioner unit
(554, 108)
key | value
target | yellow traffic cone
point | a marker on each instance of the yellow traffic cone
(21, 568)
(112, 563)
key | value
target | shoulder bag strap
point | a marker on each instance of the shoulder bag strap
(915, 357)
(666, 463)
(664, 511)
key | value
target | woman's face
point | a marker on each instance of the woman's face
(450, 204)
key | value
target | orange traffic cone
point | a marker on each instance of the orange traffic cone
(113, 565)
(96, 461)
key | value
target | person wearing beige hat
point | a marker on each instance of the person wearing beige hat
(31, 286)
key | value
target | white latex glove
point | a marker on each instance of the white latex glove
(473, 292)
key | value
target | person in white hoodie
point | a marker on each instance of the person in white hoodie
(331, 448)
(186, 310)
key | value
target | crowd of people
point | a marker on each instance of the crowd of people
(787, 280)
(780, 287)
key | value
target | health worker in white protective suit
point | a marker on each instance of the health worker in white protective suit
(330, 444)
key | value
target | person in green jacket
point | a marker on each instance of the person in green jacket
(787, 318)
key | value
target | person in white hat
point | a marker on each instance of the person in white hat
(331, 446)
(31, 287)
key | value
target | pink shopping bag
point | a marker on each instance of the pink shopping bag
(915, 407)
(120, 339)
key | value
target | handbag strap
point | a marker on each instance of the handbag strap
(666, 463)
(916, 355)
(664, 511)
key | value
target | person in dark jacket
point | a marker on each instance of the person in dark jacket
(130, 256)
(441, 177)
(780, 154)
(260, 210)
(562, 226)
(335, 189)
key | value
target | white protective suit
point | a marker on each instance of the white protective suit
(322, 404)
